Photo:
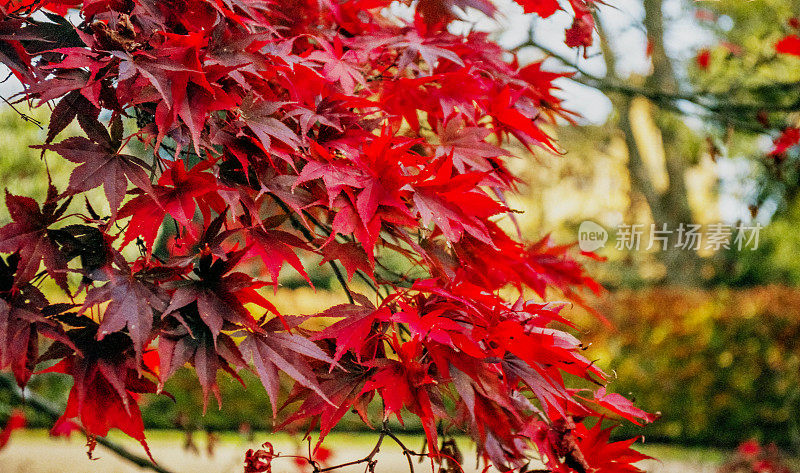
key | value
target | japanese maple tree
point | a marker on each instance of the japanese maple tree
(359, 132)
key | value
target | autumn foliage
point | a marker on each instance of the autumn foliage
(362, 132)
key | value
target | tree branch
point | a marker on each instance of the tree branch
(708, 101)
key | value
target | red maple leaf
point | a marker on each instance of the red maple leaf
(217, 296)
(604, 456)
(338, 65)
(273, 350)
(355, 331)
(100, 164)
(454, 203)
(134, 302)
(343, 389)
(106, 381)
(188, 341)
(275, 247)
(350, 254)
(621, 406)
(406, 383)
(28, 235)
(180, 194)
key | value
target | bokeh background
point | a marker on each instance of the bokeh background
(710, 338)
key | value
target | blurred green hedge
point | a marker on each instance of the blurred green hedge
(720, 365)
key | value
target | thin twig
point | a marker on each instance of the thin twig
(709, 101)
(310, 237)
(327, 231)
(368, 459)
(406, 451)
(22, 115)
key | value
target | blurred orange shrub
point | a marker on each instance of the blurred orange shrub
(720, 365)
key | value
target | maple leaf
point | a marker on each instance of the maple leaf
(343, 389)
(337, 64)
(258, 116)
(604, 456)
(406, 383)
(146, 214)
(179, 193)
(28, 235)
(106, 381)
(621, 406)
(510, 118)
(65, 111)
(134, 302)
(465, 145)
(188, 245)
(273, 351)
(405, 97)
(434, 324)
(454, 203)
(542, 87)
(427, 49)
(189, 341)
(350, 254)
(100, 164)
(183, 192)
(217, 297)
(275, 247)
(176, 71)
(356, 330)
(16, 315)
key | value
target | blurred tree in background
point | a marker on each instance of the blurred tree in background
(699, 93)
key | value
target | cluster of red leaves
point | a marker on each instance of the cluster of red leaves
(789, 137)
(280, 131)
(577, 35)
(752, 457)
